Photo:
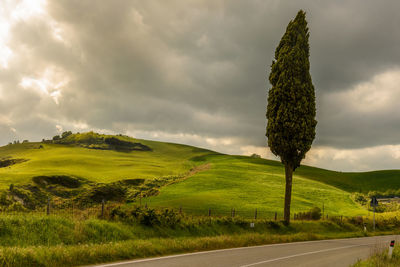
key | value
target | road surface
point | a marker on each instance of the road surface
(326, 253)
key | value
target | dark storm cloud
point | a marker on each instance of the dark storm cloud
(196, 67)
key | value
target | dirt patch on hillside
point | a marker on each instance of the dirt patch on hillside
(197, 169)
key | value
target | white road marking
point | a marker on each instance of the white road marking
(301, 254)
(230, 249)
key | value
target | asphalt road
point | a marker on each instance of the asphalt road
(326, 253)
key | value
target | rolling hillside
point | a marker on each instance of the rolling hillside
(89, 167)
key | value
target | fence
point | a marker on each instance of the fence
(103, 210)
(67, 209)
(256, 213)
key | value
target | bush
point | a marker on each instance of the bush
(107, 192)
(4, 201)
(16, 206)
(360, 198)
(315, 213)
(119, 144)
(312, 214)
(147, 216)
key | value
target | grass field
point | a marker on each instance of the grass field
(239, 182)
(247, 184)
(95, 165)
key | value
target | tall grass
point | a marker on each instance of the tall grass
(60, 241)
(380, 258)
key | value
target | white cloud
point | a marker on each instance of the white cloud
(380, 94)
(5, 55)
(49, 83)
(59, 128)
(362, 159)
(57, 31)
(25, 9)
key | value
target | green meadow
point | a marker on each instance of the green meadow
(207, 179)
(246, 184)
(95, 165)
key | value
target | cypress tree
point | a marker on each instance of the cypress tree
(291, 102)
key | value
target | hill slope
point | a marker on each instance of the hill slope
(87, 167)
(246, 184)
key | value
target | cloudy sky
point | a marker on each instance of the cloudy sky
(195, 72)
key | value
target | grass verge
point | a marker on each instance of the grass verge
(56, 241)
(380, 258)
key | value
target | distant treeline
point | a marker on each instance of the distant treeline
(94, 140)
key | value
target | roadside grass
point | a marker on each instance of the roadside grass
(59, 241)
(36, 230)
(380, 258)
(99, 253)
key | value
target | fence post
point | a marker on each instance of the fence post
(48, 206)
(209, 212)
(276, 215)
(231, 213)
(102, 209)
(255, 215)
(374, 218)
(180, 210)
(234, 212)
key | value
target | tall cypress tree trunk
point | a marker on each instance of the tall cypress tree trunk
(288, 191)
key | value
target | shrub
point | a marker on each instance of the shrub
(119, 144)
(360, 198)
(16, 206)
(312, 214)
(147, 216)
(4, 201)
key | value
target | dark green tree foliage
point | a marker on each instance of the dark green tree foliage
(291, 101)
(66, 134)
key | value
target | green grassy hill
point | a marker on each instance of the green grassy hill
(246, 184)
(90, 167)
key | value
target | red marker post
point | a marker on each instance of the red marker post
(391, 249)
